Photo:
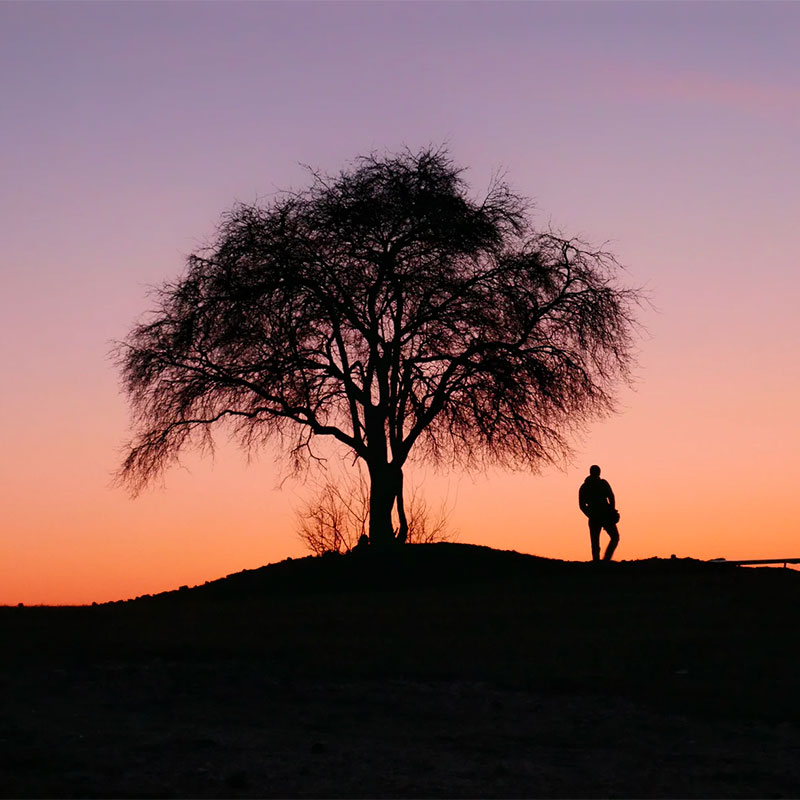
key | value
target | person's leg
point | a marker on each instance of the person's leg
(611, 529)
(594, 535)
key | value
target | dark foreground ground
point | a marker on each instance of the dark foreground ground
(446, 670)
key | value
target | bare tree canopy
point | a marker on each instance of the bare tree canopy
(385, 308)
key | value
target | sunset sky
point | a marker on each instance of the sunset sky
(670, 131)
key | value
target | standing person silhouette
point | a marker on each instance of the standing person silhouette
(596, 500)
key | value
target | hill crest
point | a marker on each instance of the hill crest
(425, 566)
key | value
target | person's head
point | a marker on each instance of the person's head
(594, 471)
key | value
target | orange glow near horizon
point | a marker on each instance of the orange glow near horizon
(222, 516)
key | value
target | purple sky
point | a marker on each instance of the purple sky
(671, 130)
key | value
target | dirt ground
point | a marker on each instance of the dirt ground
(160, 728)
(442, 671)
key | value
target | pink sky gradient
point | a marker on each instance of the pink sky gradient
(672, 131)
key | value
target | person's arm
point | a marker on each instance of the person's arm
(582, 504)
(611, 496)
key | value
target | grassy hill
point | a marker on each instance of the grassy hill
(703, 641)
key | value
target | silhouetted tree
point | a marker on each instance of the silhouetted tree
(386, 309)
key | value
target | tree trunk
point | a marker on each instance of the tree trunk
(382, 480)
(402, 532)
(382, 494)
(386, 488)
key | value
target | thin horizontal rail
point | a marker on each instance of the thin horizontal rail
(745, 562)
